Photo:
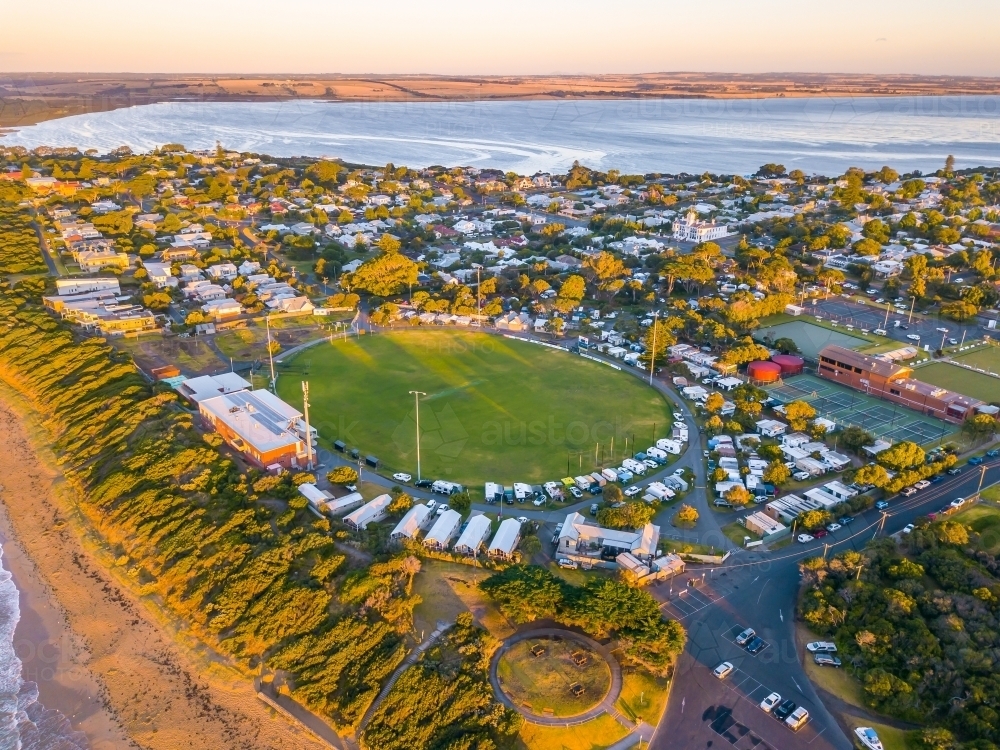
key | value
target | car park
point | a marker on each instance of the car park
(975, 461)
(832, 527)
(756, 645)
(798, 719)
(953, 471)
(770, 702)
(908, 528)
(821, 647)
(401, 477)
(824, 660)
(722, 671)
(881, 505)
(805, 538)
(922, 484)
(784, 710)
(908, 491)
(744, 637)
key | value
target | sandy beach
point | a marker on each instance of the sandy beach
(107, 660)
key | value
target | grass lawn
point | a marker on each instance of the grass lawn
(736, 532)
(984, 520)
(193, 356)
(595, 734)
(544, 683)
(954, 378)
(643, 696)
(242, 343)
(495, 410)
(448, 589)
(982, 357)
(672, 545)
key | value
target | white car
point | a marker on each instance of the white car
(722, 671)
(958, 502)
(678, 417)
(401, 477)
(441, 509)
(798, 719)
(770, 702)
(922, 484)
(832, 527)
(632, 491)
(908, 528)
(801, 476)
(822, 647)
(805, 538)
(941, 330)
(539, 502)
(913, 336)
(522, 519)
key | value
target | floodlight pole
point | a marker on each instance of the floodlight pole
(652, 353)
(305, 413)
(416, 400)
(270, 354)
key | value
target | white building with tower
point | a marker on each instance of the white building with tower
(690, 228)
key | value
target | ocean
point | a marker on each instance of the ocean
(824, 135)
(25, 724)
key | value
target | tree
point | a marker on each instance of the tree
(813, 519)
(877, 230)
(342, 475)
(873, 475)
(400, 504)
(951, 532)
(613, 494)
(461, 502)
(195, 317)
(980, 426)
(714, 403)
(388, 243)
(657, 338)
(686, 514)
(632, 515)
(525, 592)
(738, 495)
(855, 438)
(573, 288)
(786, 345)
(776, 473)
(867, 246)
(902, 455)
(713, 425)
(382, 276)
(798, 413)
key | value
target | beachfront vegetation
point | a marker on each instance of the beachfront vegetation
(19, 251)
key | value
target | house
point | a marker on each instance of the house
(66, 287)
(171, 254)
(160, 274)
(412, 523)
(91, 261)
(840, 491)
(198, 389)
(222, 308)
(259, 425)
(577, 536)
(318, 498)
(505, 540)
(690, 228)
(514, 322)
(371, 512)
(340, 505)
(291, 304)
(770, 427)
(101, 311)
(789, 507)
(474, 535)
(763, 525)
(443, 530)
(225, 271)
(893, 382)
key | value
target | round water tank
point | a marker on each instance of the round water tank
(789, 363)
(764, 372)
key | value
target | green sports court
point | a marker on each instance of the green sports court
(848, 407)
(811, 338)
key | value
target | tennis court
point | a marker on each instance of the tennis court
(848, 407)
(810, 338)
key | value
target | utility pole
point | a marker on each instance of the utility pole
(416, 400)
(305, 412)
(913, 301)
(479, 297)
(942, 339)
(652, 352)
(888, 307)
(270, 354)
(964, 331)
(982, 476)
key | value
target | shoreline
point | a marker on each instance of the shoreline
(114, 665)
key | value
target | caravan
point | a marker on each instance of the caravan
(521, 491)
(493, 492)
(442, 487)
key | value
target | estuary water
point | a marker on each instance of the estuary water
(824, 135)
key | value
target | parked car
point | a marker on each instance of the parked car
(908, 528)
(770, 702)
(922, 484)
(784, 710)
(820, 533)
(565, 562)
(678, 417)
(908, 491)
(975, 461)
(805, 538)
(744, 637)
(401, 477)
(881, 505)
(593, 509)
(575, 492)
(936, 478)
(756, 645)
(832, 527)
(723, 670)
(798, 719)
(821, 647)
(441, 509)
(801, 476)
(423, 483)
(993, 453)
(913, 336)
(826, 661)
(845, 520)
(953, 471)
(538, 502)
(958, 502)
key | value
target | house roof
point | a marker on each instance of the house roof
(444, 527)
(258, 417)
(368, 511)
(506, 537)
(475, 532)
(411, 523)
(209, 386)
(870, 364)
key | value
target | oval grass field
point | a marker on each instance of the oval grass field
(496, 410)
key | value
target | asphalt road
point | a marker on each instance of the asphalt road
(870, 316)
(760, 591)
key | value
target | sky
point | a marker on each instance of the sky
(513, 37)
